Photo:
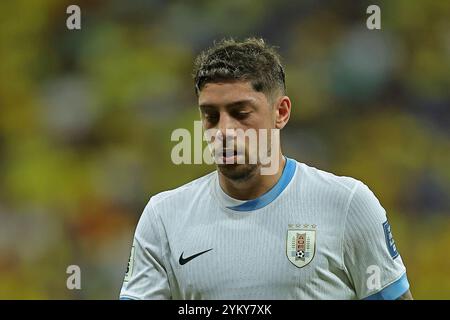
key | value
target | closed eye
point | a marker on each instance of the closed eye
(211, 117)
(240, 115)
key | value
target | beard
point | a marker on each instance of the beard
(244, 166)
(238, 172)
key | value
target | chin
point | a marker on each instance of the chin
(238, 172)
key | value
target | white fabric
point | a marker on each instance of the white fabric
(248, 259)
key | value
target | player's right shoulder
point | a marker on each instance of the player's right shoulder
(182, 195)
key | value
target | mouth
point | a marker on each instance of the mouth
(229, 156)
(228, 152)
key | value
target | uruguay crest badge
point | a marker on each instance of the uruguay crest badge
(301, 244)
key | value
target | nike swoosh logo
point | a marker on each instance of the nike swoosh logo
(186, 260)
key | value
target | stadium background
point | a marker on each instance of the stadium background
(86, 118)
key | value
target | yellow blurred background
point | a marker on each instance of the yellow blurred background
(86, 117)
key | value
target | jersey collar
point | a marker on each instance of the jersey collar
(268, 197)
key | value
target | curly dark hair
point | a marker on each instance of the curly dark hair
(249, 60)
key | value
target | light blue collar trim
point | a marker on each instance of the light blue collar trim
(272, 194)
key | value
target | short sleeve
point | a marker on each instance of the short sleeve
(371, 258)
(146, 276)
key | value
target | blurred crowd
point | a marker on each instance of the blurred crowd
(86, 117)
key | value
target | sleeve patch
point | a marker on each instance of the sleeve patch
(390, 240)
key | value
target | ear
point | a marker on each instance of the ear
(282, 111)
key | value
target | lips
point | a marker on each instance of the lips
(229, 153)
(228, 156)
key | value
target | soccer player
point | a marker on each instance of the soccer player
(299, 233)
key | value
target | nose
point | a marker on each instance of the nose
(226, 128)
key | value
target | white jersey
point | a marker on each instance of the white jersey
(314, 235)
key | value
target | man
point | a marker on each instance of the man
(298, 233)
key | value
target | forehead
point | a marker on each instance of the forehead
(223, 93)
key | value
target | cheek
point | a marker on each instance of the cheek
(264, 121)
(262, 127)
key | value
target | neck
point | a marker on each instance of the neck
(255, 186)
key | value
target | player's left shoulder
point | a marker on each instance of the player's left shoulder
(333, 184)
(343, 194)
(365, 203)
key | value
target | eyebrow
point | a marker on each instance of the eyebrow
(230, 105)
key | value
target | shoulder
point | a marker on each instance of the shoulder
(359, 198)
(334, 185)
(182, 194)
(351, 198)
